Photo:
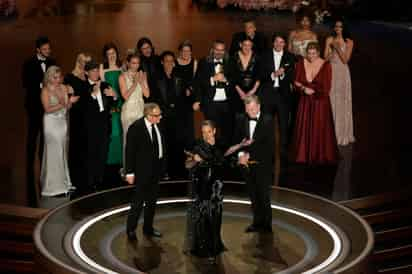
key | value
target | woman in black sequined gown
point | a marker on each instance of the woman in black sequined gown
(205, 212)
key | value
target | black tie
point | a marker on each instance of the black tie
(155, 143)
(253, 119)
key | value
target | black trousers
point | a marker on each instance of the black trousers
(273, 102)
(97, 149)
(258, 182)
(221, 113)
(145, 192)
(34, 131)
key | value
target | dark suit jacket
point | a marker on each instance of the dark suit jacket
(97, 121)
(262, 148)
(140, 153)
(268, 66)
(32, 76)
(259, 42)
(204, 92)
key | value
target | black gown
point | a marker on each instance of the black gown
(205, 211)
(184, 78)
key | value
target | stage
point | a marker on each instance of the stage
(310, 235)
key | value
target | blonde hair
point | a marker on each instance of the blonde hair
(51, 71)
(80, 56)
(251, 98)
(149, 107)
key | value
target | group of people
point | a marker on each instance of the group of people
(239, 94)
(293, 5)
(138, 114)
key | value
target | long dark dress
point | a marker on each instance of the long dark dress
(77, 131)
(314, 139)
(184, 76)
(205, 212)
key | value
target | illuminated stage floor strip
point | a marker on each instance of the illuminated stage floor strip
(337, 242)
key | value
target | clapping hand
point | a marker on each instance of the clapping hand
(246, 142)
(141, 77)
(335, 44)
(109, 92)
(279, 72)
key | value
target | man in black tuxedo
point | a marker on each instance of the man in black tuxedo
(276, 93)
(149, 63)
(255, 130)
(176, 105)
(145, 152)
(33, 73)
(97, 124)
(258, 38)
(214, 92)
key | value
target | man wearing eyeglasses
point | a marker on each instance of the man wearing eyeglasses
(145, 153)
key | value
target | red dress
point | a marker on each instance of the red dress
(314, 139)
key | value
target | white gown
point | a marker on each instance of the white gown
(55, 178)
(132, 108)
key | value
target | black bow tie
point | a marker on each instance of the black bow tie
(218, 63)
(252, 119)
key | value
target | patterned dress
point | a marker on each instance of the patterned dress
(205, 212)
(341, 100)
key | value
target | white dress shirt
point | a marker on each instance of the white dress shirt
(98, 97)
(42, 65)
(252, 126)
(277, 58)
(220, 94)
(159, 139)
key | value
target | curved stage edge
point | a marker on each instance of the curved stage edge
(310, 235)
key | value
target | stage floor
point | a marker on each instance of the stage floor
(310, 235)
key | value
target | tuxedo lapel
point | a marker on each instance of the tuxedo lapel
(285, 61)
(258, 127)
(247, 128)
(272, 61)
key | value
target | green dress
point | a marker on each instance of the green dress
(114, 156)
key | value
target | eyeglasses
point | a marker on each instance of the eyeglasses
(156, 115)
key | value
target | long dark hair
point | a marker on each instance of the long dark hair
(107, 47)
(141, 42)
(345, 31)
